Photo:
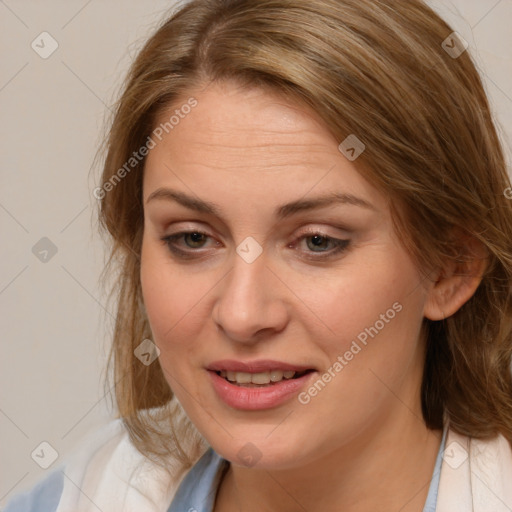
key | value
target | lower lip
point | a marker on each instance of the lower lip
(257, 398)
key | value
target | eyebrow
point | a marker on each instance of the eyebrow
(282, 212)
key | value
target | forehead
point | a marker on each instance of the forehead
(231, 120)
(252, 139)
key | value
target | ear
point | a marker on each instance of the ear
(458, 280)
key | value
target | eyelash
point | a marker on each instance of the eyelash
(340, 245)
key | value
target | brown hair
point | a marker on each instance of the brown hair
(373, 68)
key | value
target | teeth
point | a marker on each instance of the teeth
(257, 378)
(242, 378)
(277, 375)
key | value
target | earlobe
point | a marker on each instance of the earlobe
(457, 282)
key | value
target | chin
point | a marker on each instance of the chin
(260, 452)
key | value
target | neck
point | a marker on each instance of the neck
(387, 469)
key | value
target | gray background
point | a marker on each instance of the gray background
(54, 320)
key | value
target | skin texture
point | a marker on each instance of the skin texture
(361, 441)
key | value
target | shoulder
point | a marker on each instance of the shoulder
(476, 474)
(104, 472)
(46, 495)
(43, 497)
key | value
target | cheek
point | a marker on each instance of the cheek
(356, 297)
(169, 296)
(374, 314)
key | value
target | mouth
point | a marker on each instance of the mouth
(258, 385)
(260, 379)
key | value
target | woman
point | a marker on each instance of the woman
(308, 207)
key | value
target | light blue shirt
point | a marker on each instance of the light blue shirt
(196, 492)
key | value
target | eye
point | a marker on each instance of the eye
(196, 238)
(314, 240)
(317, 240)
(193, 240)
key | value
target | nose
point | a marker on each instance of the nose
(250, 302)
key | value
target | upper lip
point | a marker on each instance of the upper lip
(261, 365)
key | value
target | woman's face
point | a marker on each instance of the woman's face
(272, 278)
